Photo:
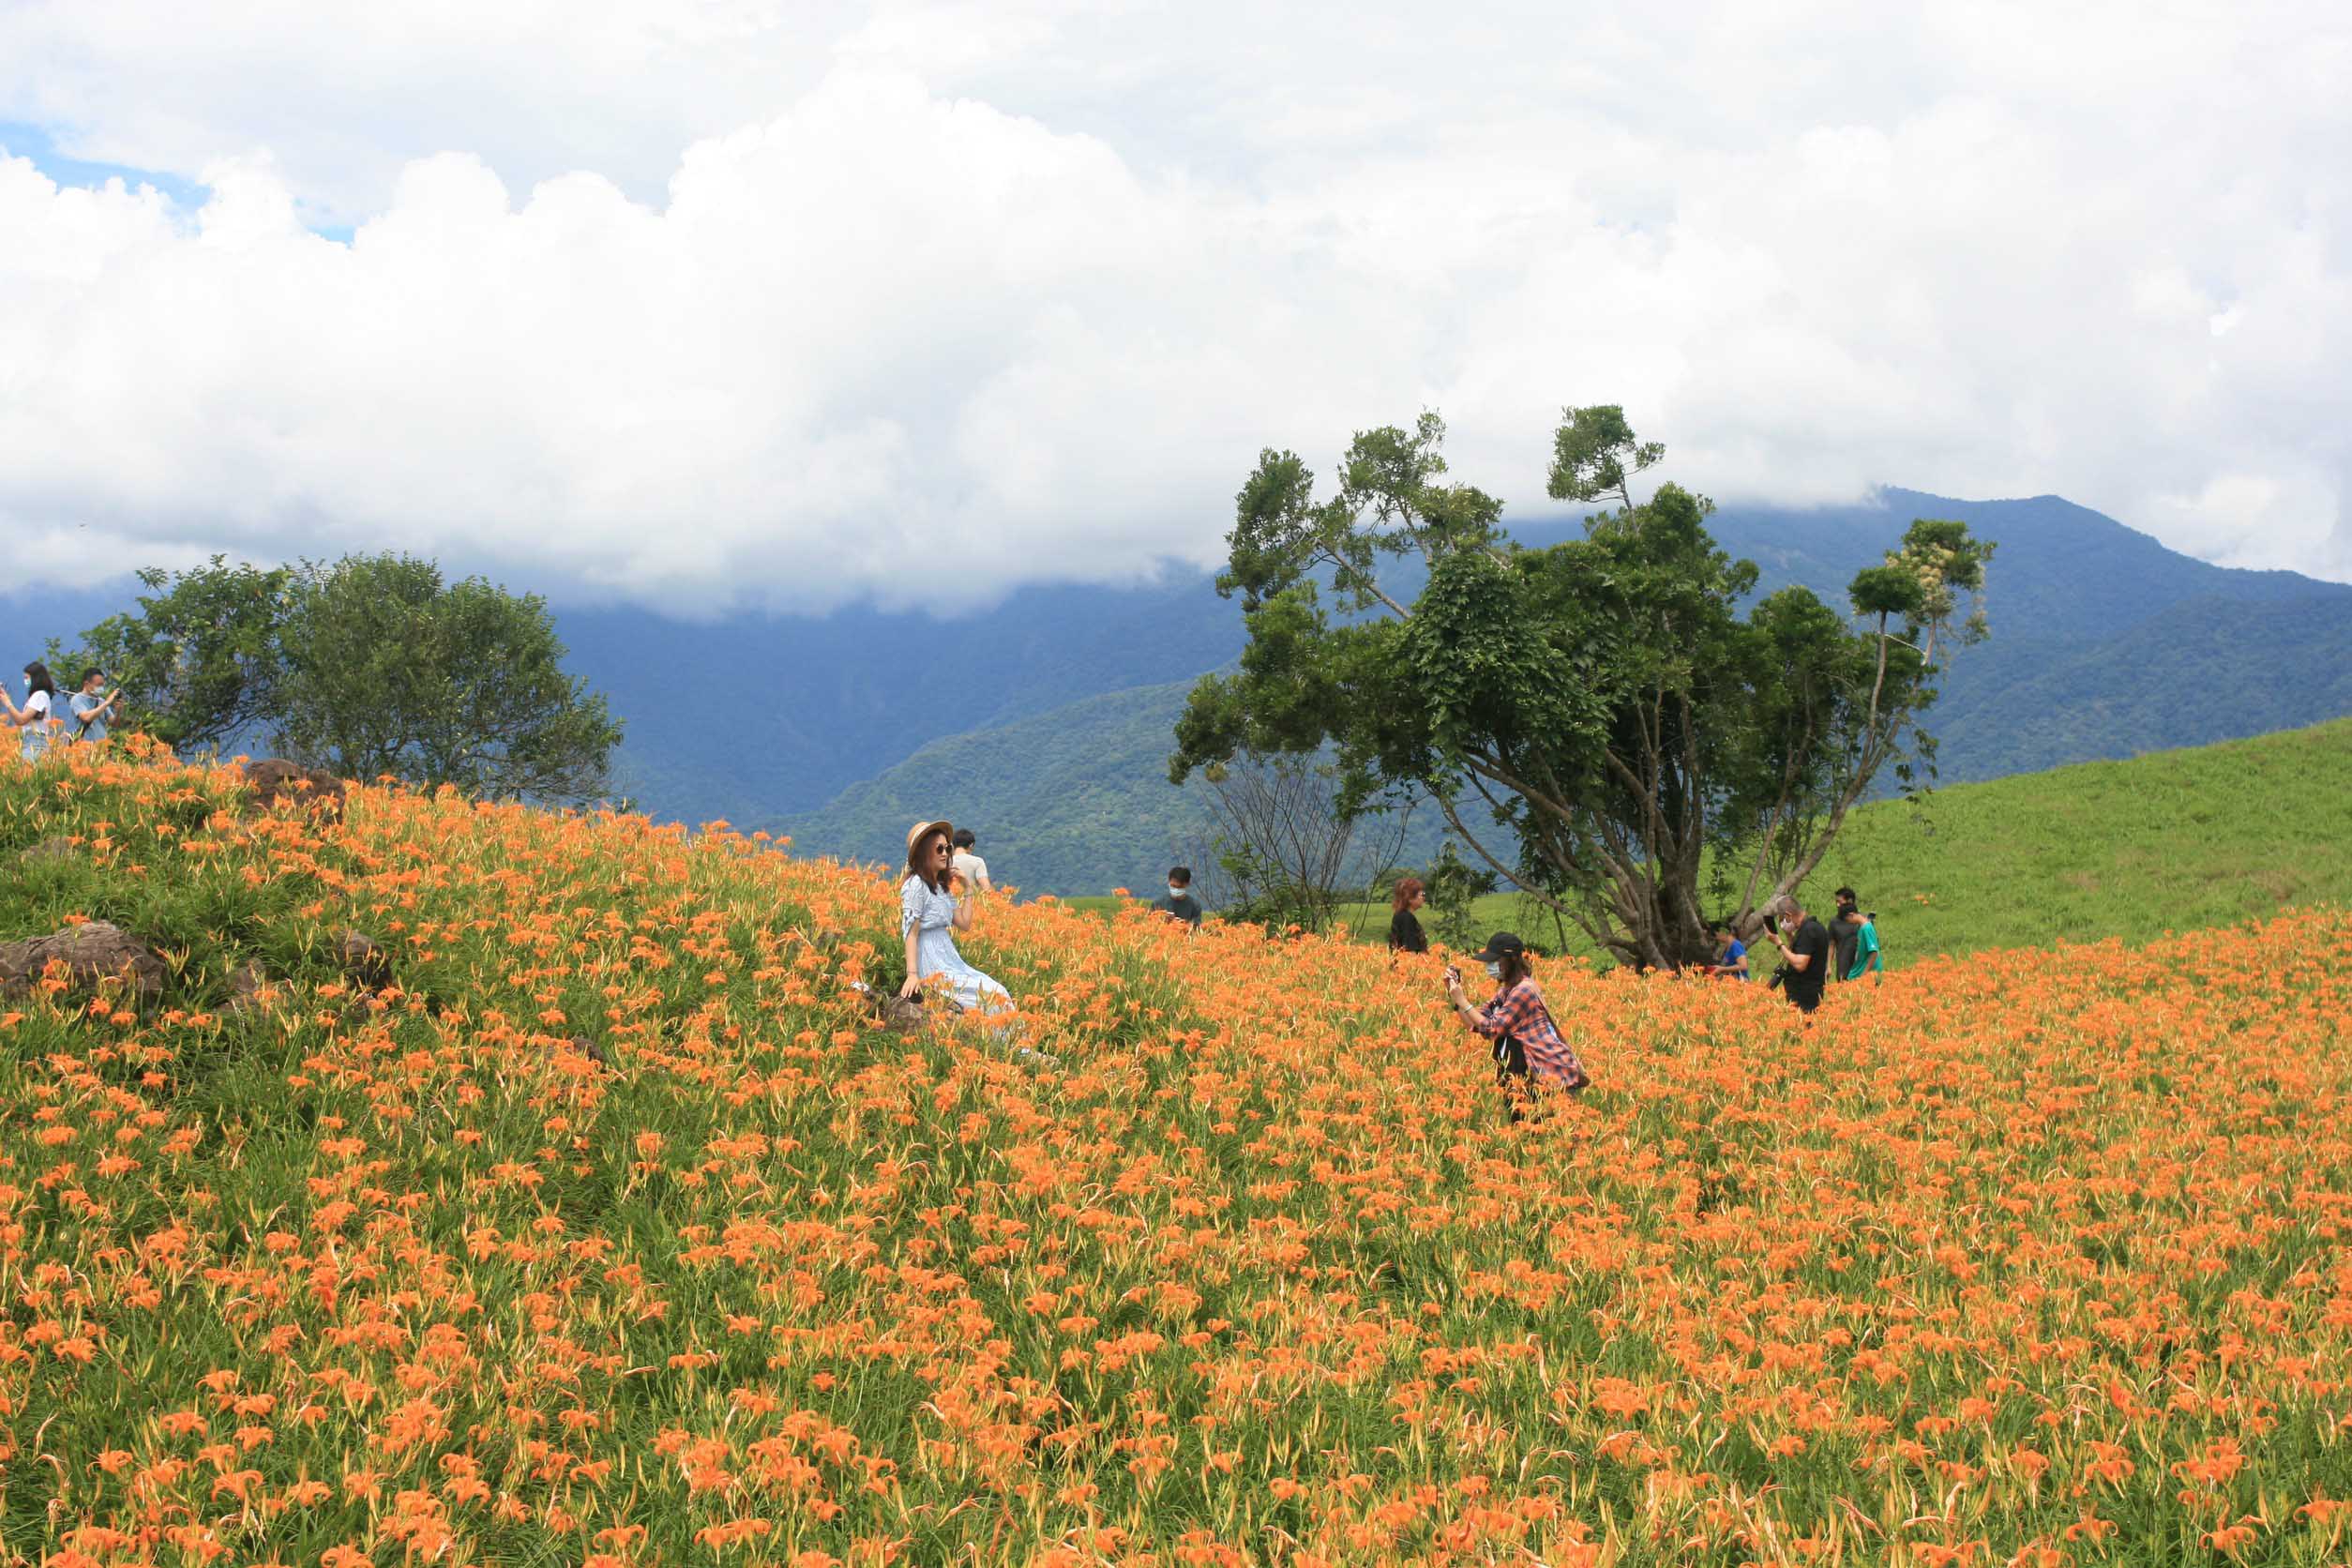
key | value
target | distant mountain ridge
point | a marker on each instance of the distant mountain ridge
(1044, 720)
(2104, 644)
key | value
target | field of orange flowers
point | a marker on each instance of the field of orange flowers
(2038, 1258)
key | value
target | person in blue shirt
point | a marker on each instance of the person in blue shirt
(91, 713)
(1731, 954)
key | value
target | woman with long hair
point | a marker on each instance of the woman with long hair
(1404, 927)
(929, 915)
(1527, 1044)
(38, 720)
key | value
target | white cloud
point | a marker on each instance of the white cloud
(741, 303)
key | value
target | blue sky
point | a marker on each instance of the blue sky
(31, 142)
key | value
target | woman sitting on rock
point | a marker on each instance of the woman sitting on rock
(929, 915)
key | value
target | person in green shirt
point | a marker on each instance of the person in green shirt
(1866, 949)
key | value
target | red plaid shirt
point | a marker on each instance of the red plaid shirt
(1519, 1013)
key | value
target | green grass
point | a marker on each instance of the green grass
(2170, 841)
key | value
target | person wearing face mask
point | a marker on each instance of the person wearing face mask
(1530, 1054)
(1179, 901)
(38, 718)
(1806, 954)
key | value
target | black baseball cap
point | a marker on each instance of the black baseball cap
(1501, 945)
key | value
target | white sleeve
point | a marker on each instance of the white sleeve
(910, 904)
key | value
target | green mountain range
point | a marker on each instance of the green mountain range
(2105, 644)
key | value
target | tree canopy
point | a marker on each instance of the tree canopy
(1609, 722)
(374, 663)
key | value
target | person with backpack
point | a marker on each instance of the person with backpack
(38, 718)
(91, 712)
(1530, 1054)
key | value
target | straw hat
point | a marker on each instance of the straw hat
(917, 834)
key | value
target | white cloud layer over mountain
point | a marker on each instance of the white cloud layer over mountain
(738, 303)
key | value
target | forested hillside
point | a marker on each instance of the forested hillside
(2104, 644)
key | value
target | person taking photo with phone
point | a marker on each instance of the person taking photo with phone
(1530, 1054)
(92, 713)
(38, 720)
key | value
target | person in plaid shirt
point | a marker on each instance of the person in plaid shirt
(1527, 1046)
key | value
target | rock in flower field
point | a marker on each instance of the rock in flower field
(599, 1221)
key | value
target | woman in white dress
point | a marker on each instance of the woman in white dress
(929, 915)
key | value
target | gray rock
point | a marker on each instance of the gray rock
(275, 781)
(93, 952)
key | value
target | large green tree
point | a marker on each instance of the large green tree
(1609, 722)
(198, 661)
(374, 663)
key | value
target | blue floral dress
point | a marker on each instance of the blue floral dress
(933, 914)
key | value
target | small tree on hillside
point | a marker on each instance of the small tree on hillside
(371, 665)
(1601, 709)
(1284, 844)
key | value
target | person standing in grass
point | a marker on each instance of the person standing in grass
(929, 915)
(972, 872)
(91, 712)
(1731, 954)
(1805, 957)
(38, 718)
(1844, 927)
(1866, 949)
(1180, 903)
(1530, 1054)
(1404, 927)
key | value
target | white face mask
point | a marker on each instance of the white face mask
(1175, 892)
(1494, 970)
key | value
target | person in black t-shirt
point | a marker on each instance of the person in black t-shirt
(1404, 927)
(1179, 904)
(1806, 953)
(1846, 932)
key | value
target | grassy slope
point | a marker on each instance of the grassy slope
(2175, 840)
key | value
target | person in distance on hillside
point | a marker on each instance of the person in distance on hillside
(929, 915)
(1844, 930)
(972, 872)
(1404, 927)
(38, 718)
(1731, 954)
(1530, 1054)
(1180, 903)
(1866, 949)
(1805, 957)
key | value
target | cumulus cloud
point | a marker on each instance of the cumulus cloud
(720, 305)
